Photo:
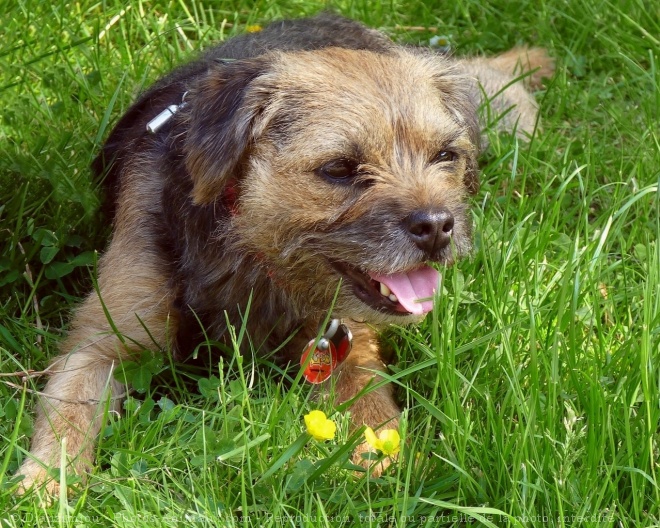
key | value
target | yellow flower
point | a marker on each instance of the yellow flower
(388, 441)
(254, 28)
(319, 426)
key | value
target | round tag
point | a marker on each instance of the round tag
(327, 352)
(323, 361)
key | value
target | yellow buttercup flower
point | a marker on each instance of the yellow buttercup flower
(387, 442)
(254, 28)
(319, 426)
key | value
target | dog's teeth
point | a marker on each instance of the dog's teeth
(393, 297)
(384, 290)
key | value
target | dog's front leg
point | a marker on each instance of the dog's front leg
(81, 385)
(377, 407)
(70, 409)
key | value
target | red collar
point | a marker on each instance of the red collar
(230, 197)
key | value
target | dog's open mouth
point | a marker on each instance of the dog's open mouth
(402, 293)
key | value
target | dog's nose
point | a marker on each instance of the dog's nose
(430, 230)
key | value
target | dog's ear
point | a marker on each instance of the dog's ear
(225, 117)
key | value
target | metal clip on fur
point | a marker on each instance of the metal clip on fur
(157, 122)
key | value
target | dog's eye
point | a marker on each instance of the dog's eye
(443, 156)
(339, 170)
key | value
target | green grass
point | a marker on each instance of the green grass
(532, 393)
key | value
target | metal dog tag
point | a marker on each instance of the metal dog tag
(157, 122)
(161, 119)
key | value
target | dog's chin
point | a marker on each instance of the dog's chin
(349, 307)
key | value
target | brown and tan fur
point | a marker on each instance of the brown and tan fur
(229, 201)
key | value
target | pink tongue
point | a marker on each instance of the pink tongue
(412, 286)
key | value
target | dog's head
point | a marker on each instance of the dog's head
(350, 167)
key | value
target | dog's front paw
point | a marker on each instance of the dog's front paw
(367, 457)
(37, 478)
(377, 453)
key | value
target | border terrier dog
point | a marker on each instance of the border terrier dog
(309, 167)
